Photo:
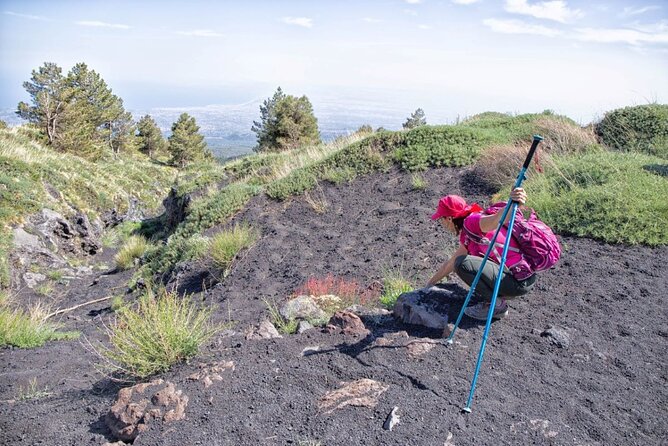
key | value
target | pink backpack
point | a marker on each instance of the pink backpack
(539, 246)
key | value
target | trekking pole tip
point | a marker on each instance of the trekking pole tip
(466, 409)
(537, 138)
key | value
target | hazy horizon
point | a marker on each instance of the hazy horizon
(450, 57)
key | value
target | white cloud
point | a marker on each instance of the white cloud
(410, 12)
(201, 33)
(25, 16)
(99, 24)
(556, 10)
(299, 21)
(631, 11)
(371, 20)
(465, 2)
(519, 27)
(621, 35)
(413, 2)
(424, 26)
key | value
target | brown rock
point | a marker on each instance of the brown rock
(138, 405)
(349, 322)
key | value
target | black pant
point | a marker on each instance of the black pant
(467, 267)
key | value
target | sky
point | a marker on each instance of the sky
(453, 58)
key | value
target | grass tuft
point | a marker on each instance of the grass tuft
(32, 392)
(29, 330)
(418, 182)
(225, 245)
(394, 284)
(283, 326)
(133, 249)
(162, 330)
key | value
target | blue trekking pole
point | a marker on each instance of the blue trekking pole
(512, 207)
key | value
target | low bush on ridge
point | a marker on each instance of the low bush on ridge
(643, 128)
(160, 331)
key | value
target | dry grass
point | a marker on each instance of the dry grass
(133, 249)
(562, 137)
(498, 166)
(317, 200)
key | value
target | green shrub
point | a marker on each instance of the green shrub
(22, 330)
(161, 331)
(203, 214)
(608, 196)
(118, 304)
(225, 245)
(440, 146)
(134, 248)
(643, 128)
(296, 183)
(215, 209)
(338, 175)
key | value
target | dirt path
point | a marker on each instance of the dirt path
(607, 386)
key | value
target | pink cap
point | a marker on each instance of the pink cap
(454, 206)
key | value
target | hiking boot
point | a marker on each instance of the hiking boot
(479, 311)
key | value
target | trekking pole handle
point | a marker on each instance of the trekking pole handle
(534, 145)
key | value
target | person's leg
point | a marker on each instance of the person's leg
(467, 267)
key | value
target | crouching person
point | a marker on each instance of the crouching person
(475, 229)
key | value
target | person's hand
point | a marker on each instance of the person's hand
(519, 195)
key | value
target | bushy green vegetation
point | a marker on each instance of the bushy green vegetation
(440, 146)
(609, 196)
(120, 234)
(160, 331)
(643, 128)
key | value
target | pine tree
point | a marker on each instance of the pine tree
(149, 136)
(285, 122)
(186, 144)
(49, 95)
(297, 126)
(98, 110)
(77, 113)
(416, 119)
